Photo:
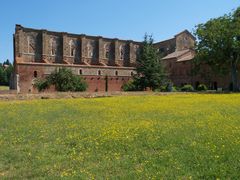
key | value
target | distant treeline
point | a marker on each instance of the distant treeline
(6, 69)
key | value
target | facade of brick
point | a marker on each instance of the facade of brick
(105, 64)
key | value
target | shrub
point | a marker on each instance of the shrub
(174, 89)
(129, 86)
(63, 80)
(187, 88)
(79, 84)
(162, 88)
(41, 84)
(202, 87)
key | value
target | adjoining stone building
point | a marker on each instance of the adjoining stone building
(37, 53)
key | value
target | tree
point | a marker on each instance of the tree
(7, 62)
(150, 71)
(3, 77)
(218, 45)
(8, 72)
(63, 80)
(5, 73)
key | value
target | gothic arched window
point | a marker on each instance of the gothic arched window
(89, 50)
(30, 45)
(72, 46)
(107, 51)
(53, 46)
(137, 51)
(121, 52)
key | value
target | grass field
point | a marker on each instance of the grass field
(135, 137)
(4, 88)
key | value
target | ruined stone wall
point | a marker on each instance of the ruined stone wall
(63, 48)
(184, 41)
(166, 47)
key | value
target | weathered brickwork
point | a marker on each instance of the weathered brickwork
(39, 52)
(95, 76)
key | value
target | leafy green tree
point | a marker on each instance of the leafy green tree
(150, 71)
(219, 45)
(129, 86)
(41, 84)
(63, 80)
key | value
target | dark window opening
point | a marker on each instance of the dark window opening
(107, 54)
(35, 74)
(72, 52)
(161, 50)
(197, 84)
(116, 73)
(80, 72)
(215, 85)
(99, 72)
(231, 86)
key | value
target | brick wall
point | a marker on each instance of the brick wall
(95, 81)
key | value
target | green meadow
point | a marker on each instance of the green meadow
(127, 137)
(4, 88)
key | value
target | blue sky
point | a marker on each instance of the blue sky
(126, 19)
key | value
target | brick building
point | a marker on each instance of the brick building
(37, 53)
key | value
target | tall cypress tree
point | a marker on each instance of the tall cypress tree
(150, 71)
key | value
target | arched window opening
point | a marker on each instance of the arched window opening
(53, 46)
(80, 71)
(99, 72)
(30, 45)
(89, 50)
(116, 73)
(107, 51)
(35, 74)
(137, 51)
(121, 52)
(132, 73)
(72, 46)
